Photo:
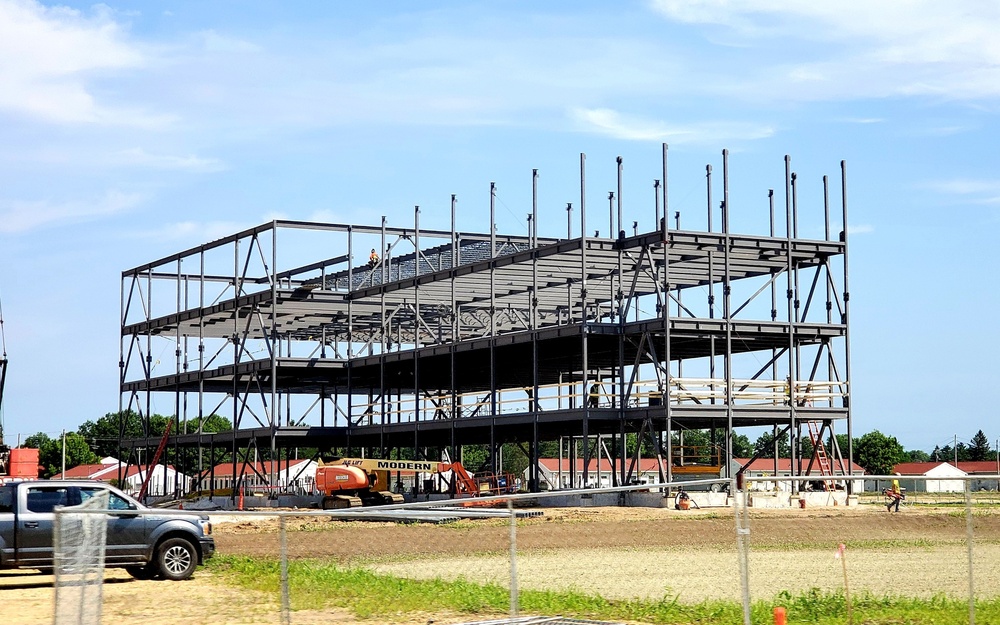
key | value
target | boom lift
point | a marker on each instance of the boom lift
(352, 482)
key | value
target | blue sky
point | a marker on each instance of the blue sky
(134, 129)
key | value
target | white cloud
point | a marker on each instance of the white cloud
(612, 123)
(140, 158)
(860, 229)
(51, 56)
(971, 191)
(194, 231)
(24, 215)
(964, 186)
(861, 48)
(213, 41)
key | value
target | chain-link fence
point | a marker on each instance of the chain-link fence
(654, 553)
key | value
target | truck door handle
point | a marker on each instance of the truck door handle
(31, 524)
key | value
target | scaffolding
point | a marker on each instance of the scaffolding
(444, 339)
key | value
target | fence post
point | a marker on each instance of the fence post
(513, 560)
(286, 617)
(968, 544)
(742, 514)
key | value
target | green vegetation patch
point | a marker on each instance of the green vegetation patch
(315, 584)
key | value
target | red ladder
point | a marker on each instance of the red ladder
(156, 458)
(820, 451)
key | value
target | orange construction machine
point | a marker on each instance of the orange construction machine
(351, 482)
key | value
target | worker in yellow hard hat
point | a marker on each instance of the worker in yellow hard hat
(895, 495)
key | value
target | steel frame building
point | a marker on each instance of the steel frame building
(451, 338)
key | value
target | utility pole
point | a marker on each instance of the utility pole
(63, 474)
(956, 451)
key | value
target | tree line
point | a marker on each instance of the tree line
(876, 452)
(95, 440)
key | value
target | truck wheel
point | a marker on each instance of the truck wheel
(176, 559)
(147, 571)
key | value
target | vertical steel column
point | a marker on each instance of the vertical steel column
(611, 235)
(774, 318)
(149, 358)
(350, 337)
(621, 232)
(534, 483)
(619, 295)
(122, 417)
(201, 355)
(798, 349)
(791, 296)
(847, 332)
(829, 297)
(584, 365)
(236, 360)
(177, 388)
(656, 199)
(727, 313)
(383, 344)
(416, 333)
(533, 242)
(711, 286)
(665, 311)
(275, 419)
(453, 451)
(493, 329)
(611, 219)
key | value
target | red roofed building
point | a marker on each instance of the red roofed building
(296, 476)
(948, 470)
(765, 467)
(164, 480)
(557, 474)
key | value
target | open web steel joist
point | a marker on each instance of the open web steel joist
(444, 338)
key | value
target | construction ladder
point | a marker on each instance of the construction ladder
(820, 450)
(156, 458)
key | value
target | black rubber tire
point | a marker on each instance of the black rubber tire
(145, 571)
(176, 559)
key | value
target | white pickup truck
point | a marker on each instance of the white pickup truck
(147, 542)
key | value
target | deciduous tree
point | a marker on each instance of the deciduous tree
(879, 453)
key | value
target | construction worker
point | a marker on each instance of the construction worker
(595, 395)
(373, 258)
(895, 495)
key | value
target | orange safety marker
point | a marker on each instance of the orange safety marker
(779, 616)
(240, 506)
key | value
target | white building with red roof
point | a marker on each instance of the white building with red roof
(767, 467)
(163, 481)
(945, 470)
(296, 476)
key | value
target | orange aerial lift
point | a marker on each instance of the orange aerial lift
(351, 482)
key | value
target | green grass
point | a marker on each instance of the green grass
(317, 584)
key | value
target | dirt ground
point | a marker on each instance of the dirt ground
(617, 552)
